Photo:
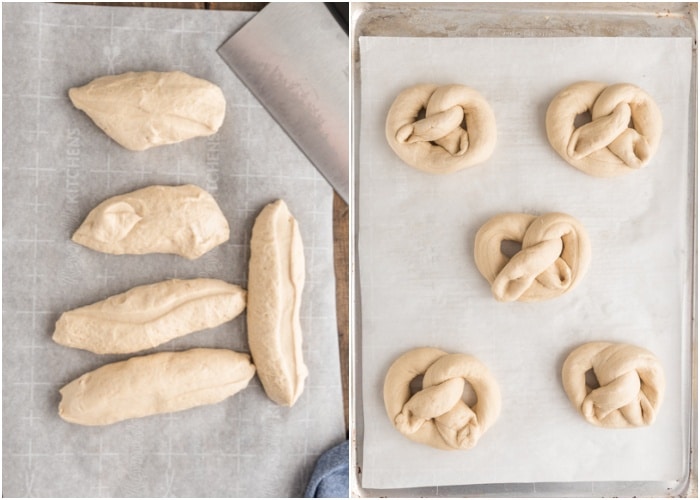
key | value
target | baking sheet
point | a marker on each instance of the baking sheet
(419, 285)
(57, 165)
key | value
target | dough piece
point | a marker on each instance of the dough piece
(158, 383)
(436, 415)
(149, 315)
(622, 136)
(553, 259)
(275, 286)
(439, 143)
(184, 220)
(142, 110)
(631, 384)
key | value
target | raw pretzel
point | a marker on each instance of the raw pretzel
(631, 384)
(439, 143)
(622, 136)
(555, 255)
(437, 415)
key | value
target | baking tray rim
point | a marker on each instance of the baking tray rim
(655, 13)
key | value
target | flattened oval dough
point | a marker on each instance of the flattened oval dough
(275, 286)
(158, 383)
(149, 315)
(146, 109)
(183, 220)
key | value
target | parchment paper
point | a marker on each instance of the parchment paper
(57, 165)
(420, 286)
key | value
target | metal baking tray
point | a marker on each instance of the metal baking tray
(519, 20)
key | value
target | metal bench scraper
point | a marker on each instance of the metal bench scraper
(294, 57)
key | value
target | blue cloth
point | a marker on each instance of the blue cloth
(330, 478)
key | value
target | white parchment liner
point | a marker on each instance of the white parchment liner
(420, 286)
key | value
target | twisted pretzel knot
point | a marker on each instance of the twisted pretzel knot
(437, 415)
(438, 143)
(631, 383)
(606, 146)
(555, 255)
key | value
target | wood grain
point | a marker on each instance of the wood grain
(249, 6)
(245, 6)
(342, 290)
(168, 5)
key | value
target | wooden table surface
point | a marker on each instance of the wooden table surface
(340, 208)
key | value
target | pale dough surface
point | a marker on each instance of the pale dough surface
(276, 276)
(554, 256)
(631, 384)
(158, 383)
(436, 415)
(622, 136)
(147, 316)
(440, 143)
(183, 220)
(146, 109)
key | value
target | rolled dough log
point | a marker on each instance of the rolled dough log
(275, 286)
(158, 383)
(184, 220)
(149, 315)
(142, 110)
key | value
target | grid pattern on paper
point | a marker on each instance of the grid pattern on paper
(56, 166)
